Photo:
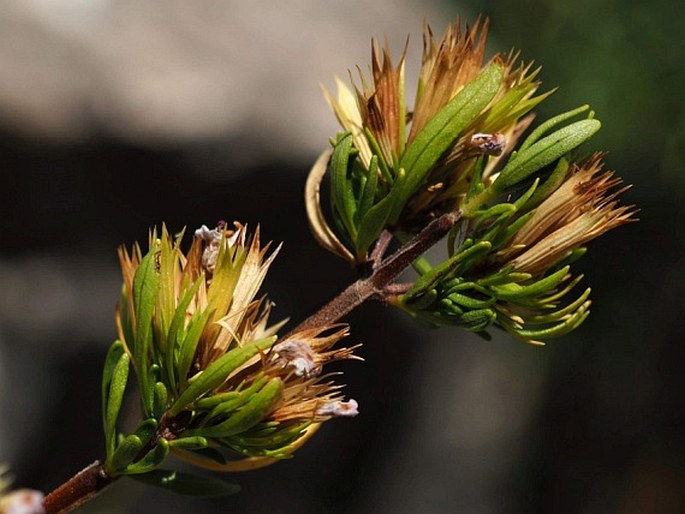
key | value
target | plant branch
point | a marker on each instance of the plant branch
(382, 275)
(376, 256)
(80, 488)
(89, 482)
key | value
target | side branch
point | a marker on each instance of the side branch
(383, 274)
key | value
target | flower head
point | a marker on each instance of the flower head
(210, 367)
(19, 501)
(398, 169)
(581, 209)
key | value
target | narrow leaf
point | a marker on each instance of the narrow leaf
(214, 400)
(423, 301)
(116, 350)
(146, 430)
(548, 125)
(117, 387)
(477, 320)
(249, 415)
(217, 372)
(470, 302)
(443, 129)
(372, 225)
(342, 193)
(368, 194)
(145, 287)
(151, 460)
(544, 152)
(189, 443)
(515, 291)
(550, 185)
(159, 402)
(225, 408)
(125, 453)
(188, 346)
(174, 336)
(445, 268)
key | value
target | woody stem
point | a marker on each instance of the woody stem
(80, 488)
(374, 286)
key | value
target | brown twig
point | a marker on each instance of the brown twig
(373, 287)
(80, 488)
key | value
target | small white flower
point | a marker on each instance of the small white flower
(298, 355)
(212, 239)
(347, 408)
(22, 501)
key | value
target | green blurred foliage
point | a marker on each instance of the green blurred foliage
(626, 58)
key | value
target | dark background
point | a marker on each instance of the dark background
(591, 423)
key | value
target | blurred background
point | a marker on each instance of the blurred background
(116, 115)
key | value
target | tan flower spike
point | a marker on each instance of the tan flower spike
(211, 370)
(581, 209)
(396, 170)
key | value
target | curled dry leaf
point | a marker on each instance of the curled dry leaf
(317, 222)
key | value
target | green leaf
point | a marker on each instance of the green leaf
(214, 400)
(515, 291)
(342, 192)
(547, 125)
(470, 302)
(423, 301)
(271, 436)
(174, 336)
(188, 346)
(504, 276)
(559, 314)
(476, 320)
(151, 460)
(218, 370)
(559, 329)
(127, 450)
(369, 191)
(186, 484)
(225, 408)
(146, 430)
(550, 185)
(145, 287)
(376, 150)
(514, 227)
(166, 299)
(446, 306)
(249, 415)
(189, 443)
(117, 386)
(544, 152)
(372, 225)
(442, 130)
(125, 316)
(477, 184)
(159, 402)
(445, 268)
(116, 350)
